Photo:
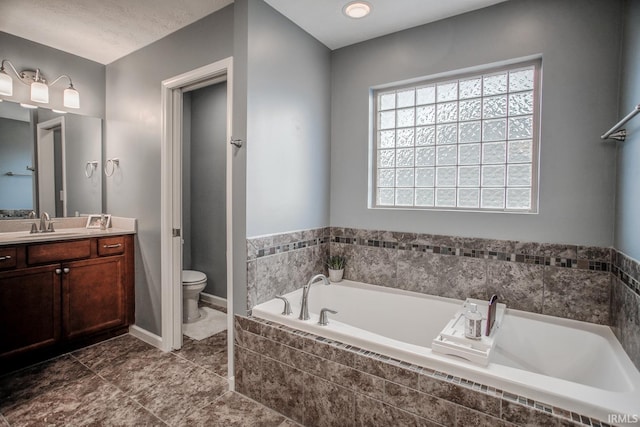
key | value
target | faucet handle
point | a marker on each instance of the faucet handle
(287, 307)
(50, 229)
(34, 228)
(324, 318)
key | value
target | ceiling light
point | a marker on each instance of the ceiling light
(357, 9)
(38, 85)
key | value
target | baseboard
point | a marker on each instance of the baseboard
(146, 336)
(212, 299)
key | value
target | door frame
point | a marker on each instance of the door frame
(171, 202)
(45, 136)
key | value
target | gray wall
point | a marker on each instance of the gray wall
(628, 184)
(134, 135)
(578, 40)
(88, 76)
(83, 143)
(16, 152)
(208, 148)
(288, 113)
(186, 180)
(239, 172)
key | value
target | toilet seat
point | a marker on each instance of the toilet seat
(193, 282)
(192, 277)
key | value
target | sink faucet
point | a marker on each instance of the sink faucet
(44, 217)
(304, 310)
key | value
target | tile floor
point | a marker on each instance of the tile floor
(126, 382)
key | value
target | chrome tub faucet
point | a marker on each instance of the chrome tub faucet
(304, 310)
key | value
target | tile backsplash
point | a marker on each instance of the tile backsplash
(281, 263)
(593, 284)
(625, 304)
(559, 280)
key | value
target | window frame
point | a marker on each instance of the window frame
(457, 75)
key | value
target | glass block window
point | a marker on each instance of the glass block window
(468, 142)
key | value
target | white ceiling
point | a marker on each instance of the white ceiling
(100, 30)
(324, 19)
(106, 30)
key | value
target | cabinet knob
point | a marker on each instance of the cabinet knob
(58, 271)
(117, 245)
(3, 258)
(65, 270)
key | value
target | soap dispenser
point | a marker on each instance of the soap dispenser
(473, 323)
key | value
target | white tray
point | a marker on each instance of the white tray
(451, 340)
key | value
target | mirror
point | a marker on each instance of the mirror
(49, 162)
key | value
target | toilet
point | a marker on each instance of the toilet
(193, 282)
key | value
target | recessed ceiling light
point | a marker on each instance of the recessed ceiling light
(357, 9)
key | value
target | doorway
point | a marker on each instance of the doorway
(173, 94)
(50, 168)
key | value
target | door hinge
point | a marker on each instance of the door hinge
(176, 232)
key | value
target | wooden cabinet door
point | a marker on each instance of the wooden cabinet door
(94, 296)
(29, 309)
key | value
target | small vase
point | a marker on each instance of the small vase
(336, 275)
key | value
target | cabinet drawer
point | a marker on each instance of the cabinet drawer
(56, 252)
(111, 246)
(7, 258)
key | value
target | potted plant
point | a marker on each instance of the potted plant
(336, 265)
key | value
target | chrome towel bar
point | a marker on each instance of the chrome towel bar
(621, 134)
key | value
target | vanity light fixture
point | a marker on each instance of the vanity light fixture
(39, 85)
(357, 9)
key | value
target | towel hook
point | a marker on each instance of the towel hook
(115, 162)
(90, 167)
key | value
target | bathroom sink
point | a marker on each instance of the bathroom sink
(25, 236)
(45, 235)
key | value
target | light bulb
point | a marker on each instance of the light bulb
(6, 84)
(39, 92)
(71, 98)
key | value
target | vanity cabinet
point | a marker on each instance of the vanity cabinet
(60, 295)
(29, 309)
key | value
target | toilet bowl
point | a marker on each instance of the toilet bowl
(193, 282)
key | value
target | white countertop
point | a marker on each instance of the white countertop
(18, 231)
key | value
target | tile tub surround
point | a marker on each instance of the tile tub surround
(318, 382)
(625, 304)
(560, 280)
(281, 263)
(593, 284)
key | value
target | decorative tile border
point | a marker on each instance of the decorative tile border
(628, 271)
(354, 237)
(290, 247)
(259, 247)
(277, 331)
(584, 258)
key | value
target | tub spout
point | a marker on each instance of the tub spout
(304, 309)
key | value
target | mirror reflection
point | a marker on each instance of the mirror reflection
(49, 162)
